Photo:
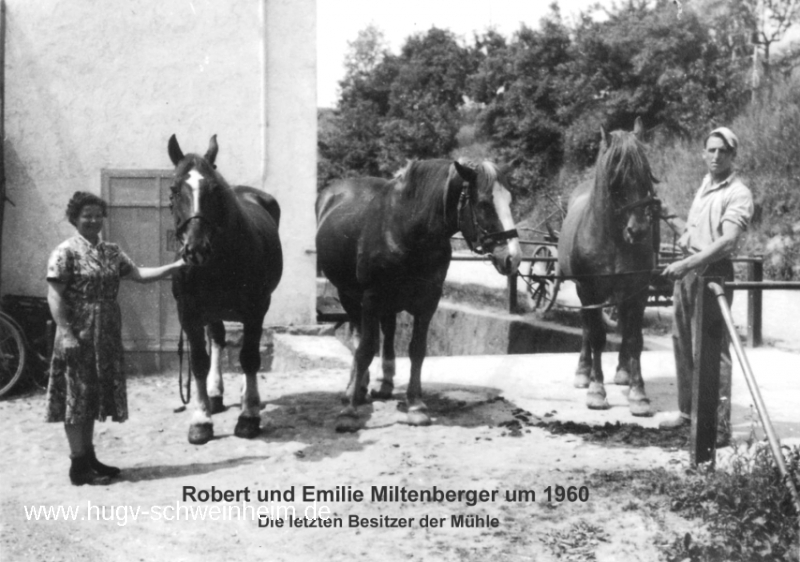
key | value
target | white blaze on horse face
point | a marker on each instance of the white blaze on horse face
(501, 198)
(193, 181)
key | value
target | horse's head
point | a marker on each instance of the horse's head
(195, 201)
(624, 173)
(484, 214)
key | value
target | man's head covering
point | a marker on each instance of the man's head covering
(727, 136)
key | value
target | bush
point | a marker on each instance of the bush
(746, 508)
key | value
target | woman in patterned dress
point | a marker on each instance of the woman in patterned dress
(86, 378)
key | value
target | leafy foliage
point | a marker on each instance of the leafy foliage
(538, 99)
(747, 509)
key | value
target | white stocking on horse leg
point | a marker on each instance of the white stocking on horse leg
(251, 400)
(201, 429)
(216, 385)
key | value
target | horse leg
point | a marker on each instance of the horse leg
(386, 383)
(216, 386)
(417, 410)
(248, 424)
(584, 370)
(623, 376)
(596, 395)
(201, 429)
(582, 378)
(347, 420)
(352, 306)
(631, 314)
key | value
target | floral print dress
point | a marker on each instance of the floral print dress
(91, 384)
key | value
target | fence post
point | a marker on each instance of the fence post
(512, 293)
(754, 304)
(708, 327)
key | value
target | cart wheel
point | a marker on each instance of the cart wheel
(543, 279)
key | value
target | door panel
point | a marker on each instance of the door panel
(140, 222)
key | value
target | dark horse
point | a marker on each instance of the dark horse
(607, 245)
(229, 238)
(385, 245)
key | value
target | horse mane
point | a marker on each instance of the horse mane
(414, 181)
(622, 162)
(413, 178)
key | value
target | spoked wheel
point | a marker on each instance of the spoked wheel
(12, 353)
(543, 279)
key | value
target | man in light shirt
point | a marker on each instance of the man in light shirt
(720, 214)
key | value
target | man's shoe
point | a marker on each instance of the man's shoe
(680, 421)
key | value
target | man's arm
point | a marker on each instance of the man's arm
(722, 247)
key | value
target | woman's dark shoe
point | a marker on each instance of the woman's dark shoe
(81, 472)
(100, 468)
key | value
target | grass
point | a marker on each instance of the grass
(744, 510)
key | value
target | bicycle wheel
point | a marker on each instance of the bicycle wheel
(12, 353)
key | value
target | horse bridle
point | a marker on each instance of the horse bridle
(181, 228)
(481, 236)
(651, 201)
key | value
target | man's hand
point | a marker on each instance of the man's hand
(676, 270)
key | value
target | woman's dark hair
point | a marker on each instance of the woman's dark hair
(79, 200)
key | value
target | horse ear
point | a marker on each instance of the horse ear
(213, 148)
(175, 152)
(605, 139)
(638, 128)
(467, 174)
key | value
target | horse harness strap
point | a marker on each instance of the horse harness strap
(181, 227)
(608, 302)
(482, 237)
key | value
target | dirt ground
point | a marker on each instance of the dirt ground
(485, 437)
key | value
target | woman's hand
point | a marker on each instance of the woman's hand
(70, 345)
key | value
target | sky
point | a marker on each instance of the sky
(339, 21)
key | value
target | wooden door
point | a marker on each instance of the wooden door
(139, 221)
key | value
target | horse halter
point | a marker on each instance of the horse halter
(475, 235)
(647, 202)
(184, 224)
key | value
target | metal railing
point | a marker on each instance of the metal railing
(755, 281)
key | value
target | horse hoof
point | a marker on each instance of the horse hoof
(418, 418)
(201, 433)
(594, 402)
(361, 398)
(247, 428)
(581, 380)
(641, 408)
(382, 393)
(216, 404)
(622, 378)
(596, 397)
(347, 423)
